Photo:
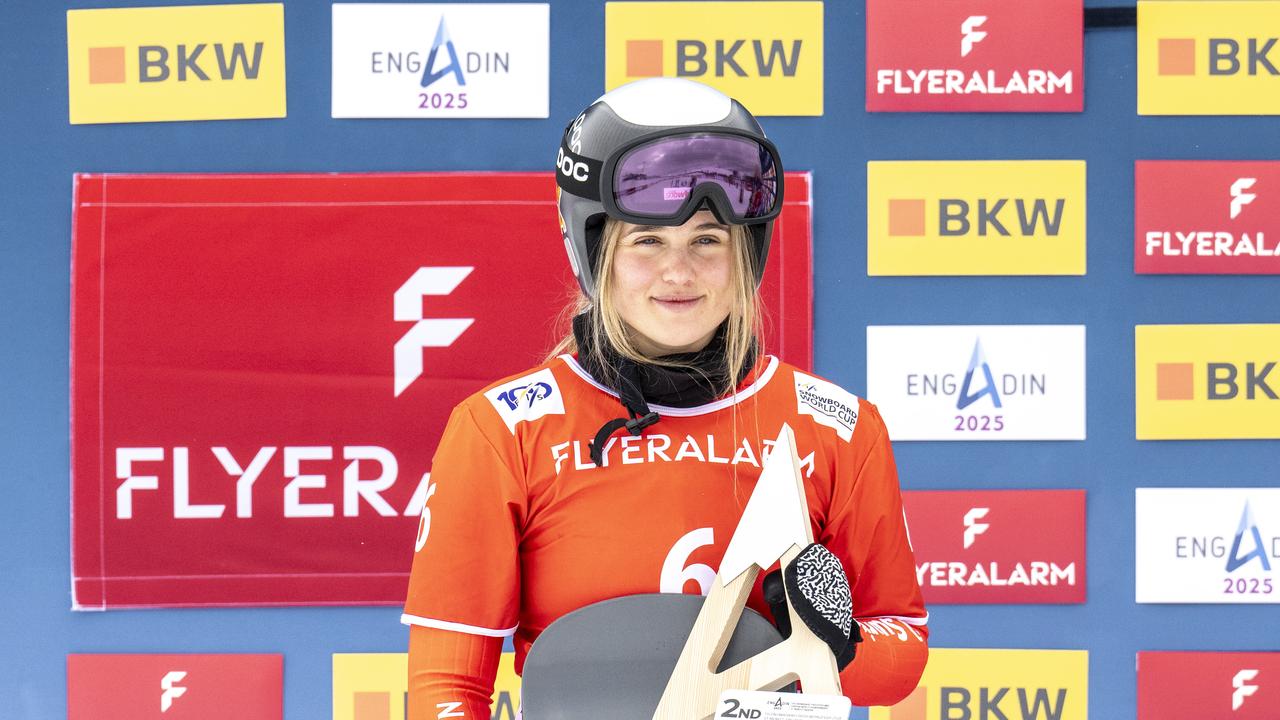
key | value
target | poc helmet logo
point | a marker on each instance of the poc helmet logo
(526, 395)
(570, 167)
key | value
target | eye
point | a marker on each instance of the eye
(708, 240)
(645, 240)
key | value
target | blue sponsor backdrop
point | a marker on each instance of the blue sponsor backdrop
(42, 151)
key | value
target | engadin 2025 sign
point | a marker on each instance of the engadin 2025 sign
(440, 61)
(978, 382)
(1204, 217)
(1207, 545)
(974, 56)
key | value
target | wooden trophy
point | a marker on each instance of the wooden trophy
(774, 528)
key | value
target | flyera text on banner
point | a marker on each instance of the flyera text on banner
(256, 407)
(1207, 545)
(978, 382)
(767, 55)
(201, 687)
(975, 56)
(413, 60)
(1207, 382)
(199, 62)
(1022, 217)
(1208, 57)
(989, 684)
(1203, 217)
(1195, 685)
(998, 546)
(374, 686)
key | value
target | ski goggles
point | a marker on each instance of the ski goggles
(664, 180)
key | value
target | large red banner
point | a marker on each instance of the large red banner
(975, 56)
(1205, 217)
(1198, 685)
(174, 687)
(262, 366)
(998, 546)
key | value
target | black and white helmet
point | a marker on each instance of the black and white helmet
(655, 152)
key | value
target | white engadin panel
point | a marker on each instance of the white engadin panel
(440, 61)
(978, 382)
(1207, 545)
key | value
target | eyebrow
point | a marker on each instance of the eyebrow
(660, 228)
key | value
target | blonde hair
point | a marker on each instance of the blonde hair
(741, 335)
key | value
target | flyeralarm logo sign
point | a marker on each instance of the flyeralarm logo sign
(976, 217)
(1207, 382)
(998, 546)
(1197, 685)
(975, 56)
(440, 61)
(978, 382)
(1208, 58)
(1208, 545)
(255, 409)
(174, 687)
(1205, 217)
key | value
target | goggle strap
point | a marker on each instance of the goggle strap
(578, 174)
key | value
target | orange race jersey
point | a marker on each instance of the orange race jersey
(520, 526)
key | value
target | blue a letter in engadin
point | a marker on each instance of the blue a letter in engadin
(978, 359)
(1259, 551)
(442, 37)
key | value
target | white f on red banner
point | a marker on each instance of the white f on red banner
(262, 366)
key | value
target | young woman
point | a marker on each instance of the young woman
(621, 465)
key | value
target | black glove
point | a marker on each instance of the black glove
(819, 590)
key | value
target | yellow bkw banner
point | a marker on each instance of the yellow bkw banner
(766, 55)
(1019, 684)
(1208, 57)
(983, 217)
(375, 686)
(1207, 382)
(199, 62)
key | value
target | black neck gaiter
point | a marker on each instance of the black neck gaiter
(699, 380)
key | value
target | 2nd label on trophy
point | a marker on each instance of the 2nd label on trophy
(758, 705)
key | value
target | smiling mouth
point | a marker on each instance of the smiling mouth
(677, 303)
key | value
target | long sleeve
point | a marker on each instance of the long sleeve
(451, 674)
(868, 531)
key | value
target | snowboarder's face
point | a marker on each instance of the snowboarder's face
(673, 286)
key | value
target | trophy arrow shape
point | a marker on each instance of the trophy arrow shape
(774, 528)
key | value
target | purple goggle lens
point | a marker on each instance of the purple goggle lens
(655, 179)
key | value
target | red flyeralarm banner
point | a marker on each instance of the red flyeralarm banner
(262, 365)
(975, 56)
(174, 687)
(1205, 217)
(998, 546)
(1199, 685)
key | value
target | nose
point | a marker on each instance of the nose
(678, 266)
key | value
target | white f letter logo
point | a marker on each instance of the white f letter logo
(170, 689)
(434, 332)
(1240, 198)
(969, 36)
(973, 528)
(1243, 689)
